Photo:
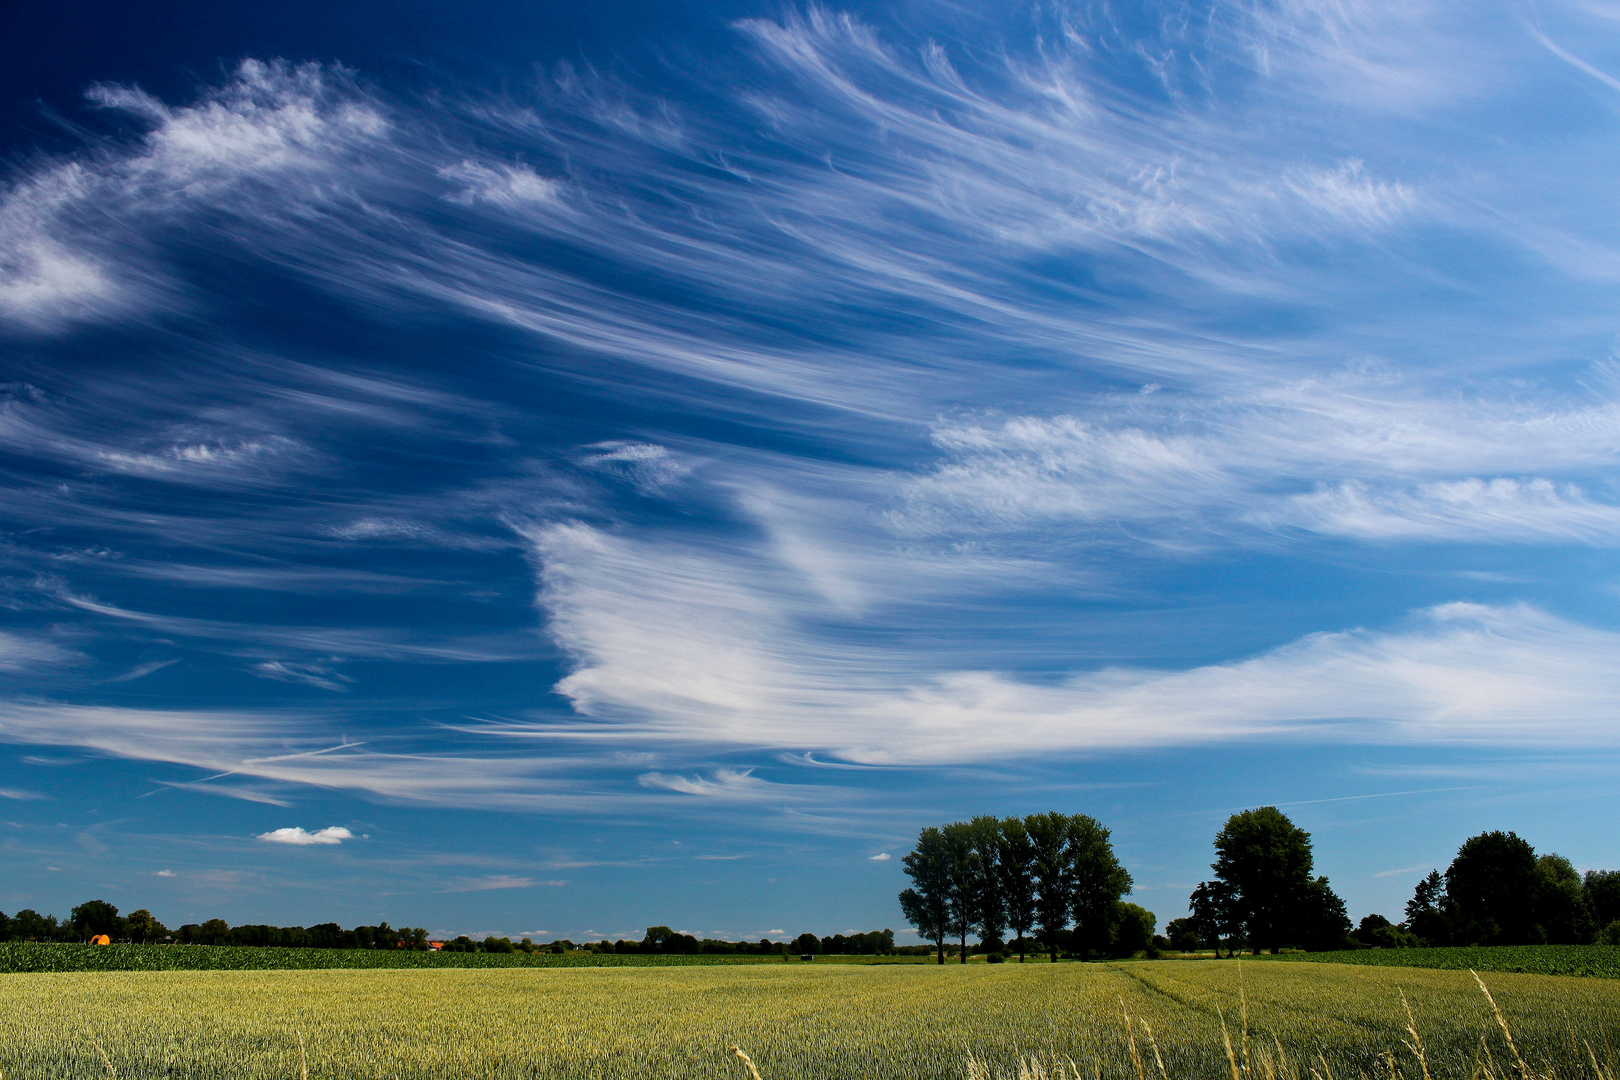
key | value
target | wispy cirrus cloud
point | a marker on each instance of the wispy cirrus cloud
(816, 396)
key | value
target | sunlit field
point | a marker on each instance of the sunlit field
(801, 1021)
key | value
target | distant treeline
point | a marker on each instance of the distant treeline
(95, 918)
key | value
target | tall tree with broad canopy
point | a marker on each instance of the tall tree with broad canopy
(1052, 869)
(926, 904)
(1491, 891)
(990, 912)
(1097, 883)
(966, 879)
(1267, 861)
(97, 917)
(1016, 873)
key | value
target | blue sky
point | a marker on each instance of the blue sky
(572, 471)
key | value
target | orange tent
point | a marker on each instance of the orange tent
(101, 939)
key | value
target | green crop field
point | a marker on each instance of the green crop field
(1599, 961)
(799, 1021)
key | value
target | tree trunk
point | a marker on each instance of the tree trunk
(964, 946)
(940, 942)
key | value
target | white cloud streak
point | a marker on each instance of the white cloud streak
(295, 835)
(684, 647)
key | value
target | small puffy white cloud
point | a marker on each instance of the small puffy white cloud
(332, 834)
(164, 873)
(882, 856)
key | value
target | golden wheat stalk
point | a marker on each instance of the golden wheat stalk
(1226, 1038)
(105, 1060)
(1157, 1060)
(1501, 1022)
(748, 1061)
(303, 1062)
(1415, 1043)
(1130, 1040)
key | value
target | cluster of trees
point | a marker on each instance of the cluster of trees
(1498, 891)
(661, 939)
(97, 917)
(1263, 894)
(1043, 873)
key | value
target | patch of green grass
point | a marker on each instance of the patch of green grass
(1595, 961)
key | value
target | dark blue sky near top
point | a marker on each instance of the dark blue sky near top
(559, 470)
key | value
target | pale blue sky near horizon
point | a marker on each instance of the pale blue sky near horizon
(637, 466)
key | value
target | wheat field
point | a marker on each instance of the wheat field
(803, 1021)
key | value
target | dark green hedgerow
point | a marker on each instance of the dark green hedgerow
(1594, 961)
(35, 956)
(17, 956)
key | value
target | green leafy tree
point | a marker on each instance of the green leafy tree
(1425, 912)
(1182, 934)
(1097, 882)
(966, 878)
(1377, 932)
(927, 904)
(30, 925)
(1133, 928)
(97, 917)
(1321, 922)
(989, 905)
(805, 945)
(1267, 861)
(1601, 890)
(1216, 913)
(1561, 911)
(1492, 887)
(1052, 868)
(1015, 868)
(143, 927)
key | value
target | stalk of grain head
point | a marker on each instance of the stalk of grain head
(1597, 1070)
(1226, 1038)
(1415, 1043)
(1518, 1062)
(748, 1061)
(1130, 1040)
(1284, 1068)
(1157, 1060)
(303, 1062)
(105, 1060)
(1243, 1003)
